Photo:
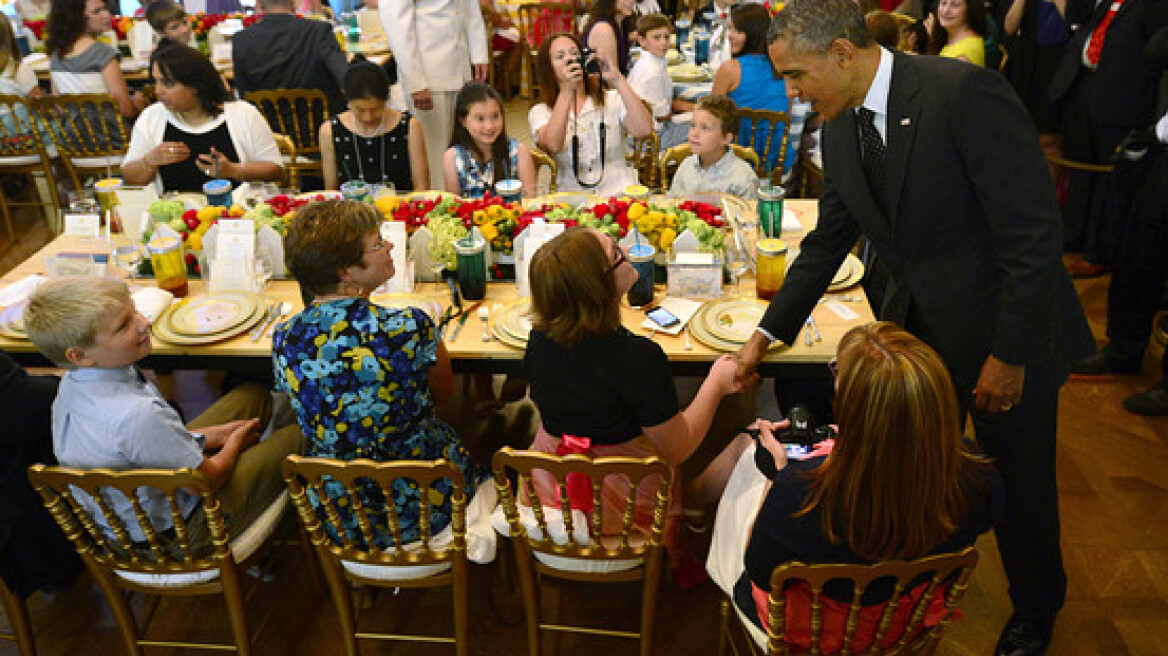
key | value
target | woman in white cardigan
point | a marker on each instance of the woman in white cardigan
(194, 134)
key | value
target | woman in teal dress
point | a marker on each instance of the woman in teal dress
(362, 378)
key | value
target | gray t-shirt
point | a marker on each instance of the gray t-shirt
(82, 73)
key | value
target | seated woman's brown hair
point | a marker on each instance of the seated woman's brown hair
(572, 293)
(324, 238)
(899, 479)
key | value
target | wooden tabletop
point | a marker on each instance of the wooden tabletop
(468, 350)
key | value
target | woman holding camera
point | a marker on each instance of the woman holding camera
(900, 483)
(582, 126)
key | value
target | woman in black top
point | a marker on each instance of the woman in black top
(195, 133)
(370, 141)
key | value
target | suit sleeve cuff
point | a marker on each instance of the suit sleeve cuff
(766, 333)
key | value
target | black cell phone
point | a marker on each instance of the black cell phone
(663, 317)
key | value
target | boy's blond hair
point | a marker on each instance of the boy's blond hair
(160, 13)
(722, 108)
(65, 312)
(650, 22)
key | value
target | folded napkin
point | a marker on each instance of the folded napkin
(20, 290)
(789, 220)
(152, 302)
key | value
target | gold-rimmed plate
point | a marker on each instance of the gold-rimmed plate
(733, 320)
(162, 331)
(211, 314)
(512, 324)
(401, 301)
(506, 338)
(854, 275)
(697, 329)
(12, 322)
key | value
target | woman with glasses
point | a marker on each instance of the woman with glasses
(899, 483)
(362, 378)
(602, 390)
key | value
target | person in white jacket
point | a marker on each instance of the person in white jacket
(438, 45)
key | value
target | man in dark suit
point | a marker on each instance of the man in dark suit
(937, 163)
(1107, 88)
(282, 51)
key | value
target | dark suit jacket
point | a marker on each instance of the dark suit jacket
(974, 244)
(285, 52)
(1125, 83)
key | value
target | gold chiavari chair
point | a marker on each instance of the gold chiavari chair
(538, 21)
(19, 619)
(608, 548)
(355, 557)
(672, 158)
(157, 562)
(766, 130)
(90, 135)
(543, 160)
(23, 152)
(297, 114)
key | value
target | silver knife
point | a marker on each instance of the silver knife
(462, 320)
(268, 316)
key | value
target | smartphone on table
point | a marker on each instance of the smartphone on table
(662, 317)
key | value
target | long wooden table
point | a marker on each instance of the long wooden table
(468, 351)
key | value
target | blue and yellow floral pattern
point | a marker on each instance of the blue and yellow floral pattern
(357, 375)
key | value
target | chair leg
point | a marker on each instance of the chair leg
(724, 627)
(7, 220)
(236, 611)
(120, 605)
(530, 596)
(343, 602)
(649, 600)
(461, 607)
(18, 617)
(54, 200)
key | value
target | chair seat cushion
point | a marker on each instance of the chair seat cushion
(20, 160)
(480, 543)
(243, 546)
(559, 535)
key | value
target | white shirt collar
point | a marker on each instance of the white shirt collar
(877, 97)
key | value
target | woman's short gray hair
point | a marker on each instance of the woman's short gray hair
(810, 26)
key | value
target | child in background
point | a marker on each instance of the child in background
(713, 166)
(107, 414)
(650, 79)
(16, 76)
(169, 21)
(480, 152)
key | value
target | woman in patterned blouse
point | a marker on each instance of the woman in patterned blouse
(362, 378)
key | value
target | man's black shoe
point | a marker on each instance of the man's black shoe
(1152, 402)
(1023, 637)
(1103, 362)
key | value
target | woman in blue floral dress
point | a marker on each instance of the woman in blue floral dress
(361, 377)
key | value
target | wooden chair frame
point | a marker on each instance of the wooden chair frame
(672, 158)
(89, 133)
(304, 474)
(605, 546)
(751, 118)
(18, 617)
(297, 114)
(112, 555)
(538, 20)
(952, 570)
(542, 159)
(25, 142)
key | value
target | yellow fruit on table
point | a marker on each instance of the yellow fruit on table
(210, 213)
(666, 238)
(237, 211)
(387, 204)
(195, 241)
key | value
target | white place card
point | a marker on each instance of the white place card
(82, 225)
(234, 265)
(529, 241)
(842, 311)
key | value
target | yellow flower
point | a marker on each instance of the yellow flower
(667, 237)
(387, 204)
(237, 211)
(636, 211)
(478, 217)
(490, 231)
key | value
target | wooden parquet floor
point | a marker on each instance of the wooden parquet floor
(1113, 470)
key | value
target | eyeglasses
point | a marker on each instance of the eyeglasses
(833, 367)
(620, 256)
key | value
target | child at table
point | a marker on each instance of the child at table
(107, 414)
(713, 166)
(650, 79)
(480, 152)
(169, 21)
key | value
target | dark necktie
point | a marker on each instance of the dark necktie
(873, 151)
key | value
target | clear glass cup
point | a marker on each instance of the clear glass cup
(127, 257)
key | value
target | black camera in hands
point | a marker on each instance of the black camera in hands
(588, 64)
(799, 438)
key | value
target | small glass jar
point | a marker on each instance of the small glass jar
(770, 210)
(642, 257)
(218, 192)
(169, 264)
(510, 191)
(471, 258)
(354, 190)
(772, 267)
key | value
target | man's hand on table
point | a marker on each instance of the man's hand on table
(999, 387)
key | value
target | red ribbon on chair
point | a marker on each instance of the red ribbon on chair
(579, 485)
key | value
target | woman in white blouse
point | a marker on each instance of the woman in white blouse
(582, 126)
(193, 133)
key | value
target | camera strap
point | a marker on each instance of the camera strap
(576, 150)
